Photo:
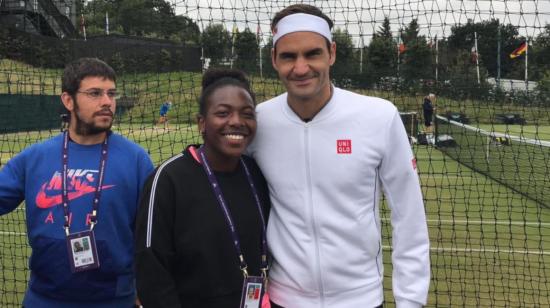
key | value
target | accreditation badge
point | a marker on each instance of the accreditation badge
(82, 251)
(253, 290)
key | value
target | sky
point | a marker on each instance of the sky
(361, 18)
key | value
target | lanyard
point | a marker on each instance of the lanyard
(221, 201)
(98, 188)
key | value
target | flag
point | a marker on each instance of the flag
(83, 26)
(519, 51)
(401, 48)
(474, 55)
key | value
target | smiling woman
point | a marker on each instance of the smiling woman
(227, 120)
(202, 219)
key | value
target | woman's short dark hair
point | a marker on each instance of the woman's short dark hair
(79, 69)
(217, 78)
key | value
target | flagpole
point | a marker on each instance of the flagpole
(106, 22)
(526, 56)
(83, 25)
(203, 59)
(498, 57)
(436, 59)
(477, 58)
(398, 54)
(261, 60)
(259, 39)
(233, 45)
(361, 55)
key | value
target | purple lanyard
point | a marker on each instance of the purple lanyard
(97, 195)
(221, 201)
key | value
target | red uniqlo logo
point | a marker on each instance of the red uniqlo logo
(343, 146)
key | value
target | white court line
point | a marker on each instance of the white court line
(478, 222)
(492, 222)
(12, 233)
(484, 222)
(508, 251)
(452, 177)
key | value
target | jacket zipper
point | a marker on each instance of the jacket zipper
(314, 221)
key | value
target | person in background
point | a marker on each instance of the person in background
(64, 117)
(428, 109)
(81, 190)
(163, 118)
(200, 232)
(328, 154)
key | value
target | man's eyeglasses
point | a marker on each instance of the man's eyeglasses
(96, 94)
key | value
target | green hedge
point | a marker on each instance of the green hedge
(29, 112)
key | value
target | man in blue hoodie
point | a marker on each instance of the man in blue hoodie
(163, 118)
(81, 191)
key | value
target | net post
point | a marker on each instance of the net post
(436, 127)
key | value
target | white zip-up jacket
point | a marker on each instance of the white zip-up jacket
(325, 179)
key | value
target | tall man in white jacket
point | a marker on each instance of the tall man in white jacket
(328, 154)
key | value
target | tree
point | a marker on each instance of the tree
(462, 78)
(246, 51)
(150, 18)
(417, 58)
(94, 16)
(164, 22)
(136, 17)
(385, 30)
(267, 66)
(187, 31)
(382, 59)
(539, 55)
(216, 42)
(462, 38)
(543, 88)
(382, 55)
(410, 33)
(346, 63)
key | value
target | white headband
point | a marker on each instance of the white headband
(301, 22)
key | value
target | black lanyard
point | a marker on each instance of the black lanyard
(221, 201)
(98, 188)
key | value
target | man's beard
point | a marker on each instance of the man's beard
(87, 129)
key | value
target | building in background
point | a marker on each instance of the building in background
(512, 85)
(55, 18)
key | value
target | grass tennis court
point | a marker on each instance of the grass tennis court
(489, 245)
(519, 162)
(527, 131)
(486, 196)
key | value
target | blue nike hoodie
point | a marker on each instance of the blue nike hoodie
(34, 176)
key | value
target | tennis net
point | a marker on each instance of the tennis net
(519, 163)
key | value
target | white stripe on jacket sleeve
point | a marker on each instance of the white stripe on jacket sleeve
(152, 200)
